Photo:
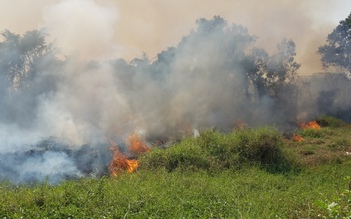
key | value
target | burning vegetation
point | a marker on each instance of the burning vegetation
(310, 125)
(120, 163)
(215, 77)
(296, 137)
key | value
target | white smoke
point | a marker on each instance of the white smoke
(83, 27)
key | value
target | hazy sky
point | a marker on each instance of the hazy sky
(125, 29)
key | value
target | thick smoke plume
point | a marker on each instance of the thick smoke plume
(58, 114)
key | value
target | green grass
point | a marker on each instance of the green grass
(329, 121)
(249, 193)
(214, 151)
(251, 173)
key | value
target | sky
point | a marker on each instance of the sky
(100, 29)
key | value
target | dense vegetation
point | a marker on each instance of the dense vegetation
(336, 53)
(248, 173)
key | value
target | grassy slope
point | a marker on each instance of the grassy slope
(213, 186)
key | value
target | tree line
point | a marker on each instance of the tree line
(227, 51)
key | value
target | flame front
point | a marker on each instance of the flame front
(297, 138)
(310, 125)
(137, 145)
(120, 163)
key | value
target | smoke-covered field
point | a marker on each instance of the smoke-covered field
(60, 111)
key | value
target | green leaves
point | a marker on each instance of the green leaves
(20, 56)
(337, 52)
(214, 151)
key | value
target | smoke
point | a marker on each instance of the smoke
(58, 124)
(133, 27)
(83, 27)
(325, 94)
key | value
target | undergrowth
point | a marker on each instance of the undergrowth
(215, 151)
(248, 173)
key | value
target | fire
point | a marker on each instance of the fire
(137, 145)
(297, 138)
(240, 124)
(310, 125)
(120, 162)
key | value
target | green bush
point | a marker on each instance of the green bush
(185, 155)
(213, 151)
(264, 147)
(223, 148)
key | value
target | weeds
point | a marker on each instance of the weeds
(340, 206)
(214, 151)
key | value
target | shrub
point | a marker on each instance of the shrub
(223, 148)
(263, 146)
(214, 151)
(185, 155)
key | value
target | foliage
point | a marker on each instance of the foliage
(199, 177)
(340, 206)
(271, 75)
(264, 146)
(250, 193)
(327, 145)
(20, 56)
(337, 51)
(185, 156)
(217, 53)
(314, 133)
(235, 47)
(213, 151)
(330, 121)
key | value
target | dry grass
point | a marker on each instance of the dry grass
(324, 146)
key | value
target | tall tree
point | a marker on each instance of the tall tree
(337, 51)
(20, 55)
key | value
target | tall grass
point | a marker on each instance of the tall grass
(214, 151)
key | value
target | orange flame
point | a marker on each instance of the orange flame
(120, 163)
(137, 145)
(310, 125)
(240, 124)
(297, 138)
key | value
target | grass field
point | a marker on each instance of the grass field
(250, 173)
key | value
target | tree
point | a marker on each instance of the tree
(20, 55)
(28, 69)
(337, 51)
(270, 75)
(282, 68)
